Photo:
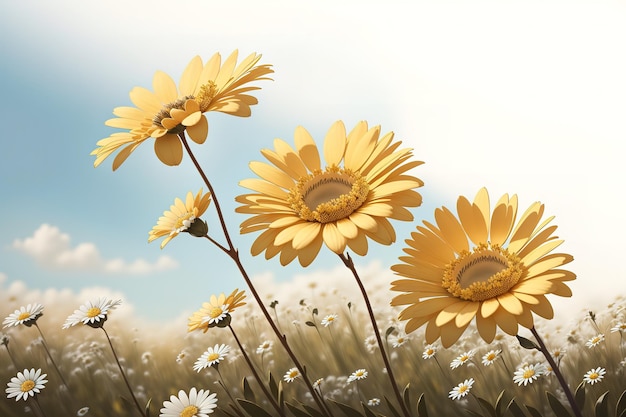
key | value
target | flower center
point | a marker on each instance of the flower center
(93, 312)
(215, 312)
(484, 273)
(491, 356)
(23, 316)
(293, 374)
(183, 222)
(205, 95)
(328, 196)
(164, 113)
(213, 356)
(189, 411)
(27, 385)
(529, 373)
(462, 389)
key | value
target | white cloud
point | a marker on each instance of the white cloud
(52, 249)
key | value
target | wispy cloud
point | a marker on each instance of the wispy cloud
(52, 248)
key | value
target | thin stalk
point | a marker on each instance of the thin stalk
(11, 356)
(256, 374)
(45, 346)
(119, 365)
(233, 253)
(223, 385)
(347, 260)
(38, 406)
(557, 372)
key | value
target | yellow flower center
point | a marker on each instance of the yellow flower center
(430, 351)
(529, 373)
(593, 375)
(27, 385)
(484, 273)
(215, 312)
(206, 95)
(462, 389)
(93, 312)
(23, 316)
(164, 113)
(189, 411)
(184, 222)
(328, 196)
(213, 356)
(293, 374)
(491, 356)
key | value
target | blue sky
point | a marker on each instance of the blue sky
(520, 97)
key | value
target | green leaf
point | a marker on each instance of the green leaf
(273, 386)
(309, 323)
(406, 397)
(252, 409)
(533, 411)
(392, 408)
(368, 412)
(247, 391)
(389, 331)
(296, 411)
(556, 406)
(499, 402)
(147, 408)
(315, 311)
(579, 395)
(620, 407)
(486, 406)
(313, 411)
(515, 409)
(421, 406)
(280, 398)
(526, 343)
(602, 405)
(347, 410)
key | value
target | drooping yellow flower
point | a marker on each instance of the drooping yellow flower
(217, 309)
(180, 217)
(299, 204)
(171, 110)
(482, 265)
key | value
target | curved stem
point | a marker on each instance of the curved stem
(11, 356)
(233, 253)
(256, 375)
(347, 260)
(45, 346)
(557, 372)
(119, 365)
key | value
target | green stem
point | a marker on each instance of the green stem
(347, 260)
(233, 253)
(119, 365)
(557, 372)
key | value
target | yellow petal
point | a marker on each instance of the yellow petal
(169, 150)
(466, 314)
(450, 333)
(472, 220)
(359, 244)
(486, 327)
(506, 321)
(488, 307)
(510, 303)
(308, 254)
(307, 149)
(164, 87)
(361, 143)
(272, 174)
(199, 131)
(449, 312)
(502, 219)
(335, 144)
(451, 229)
(307, 233)
(333, 238)
(191, 75)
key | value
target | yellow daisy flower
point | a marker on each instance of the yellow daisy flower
(171, 110)
(216, 310)
(180, 217)
(299, 204)
(482, 265)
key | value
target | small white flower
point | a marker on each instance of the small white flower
(374, 402)
(25, 315)
(266, 346)
(26, 384)
(462, 359)
(329, 319)
(82, 412)
(92, 313)
(371, 344)
(357, 375)
(595, 375)
(595, 341)
(462, 389)
(619, 327)
(212, 356)
(528, 374)
(291, 375)
(216, 315)
(490, 357)
(429, 351)
(195, 404)
(318, 382)
(399, 339)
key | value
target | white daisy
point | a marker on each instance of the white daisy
(216, 315)
(595, 375)
(212, 356)
(429, 351)
(357, 375)
(25, 315)
(595, 341)
(266, 346)
(619, 327)
(462, 389)
(318, 382)
(490, 357)
(371, 344)
(291, 375)
(93, 314)
(26, 384)
(196, 404)
(374, 402)
(462, 359)
(329, 319)
(528, 374)
(82, 412)
(399, 339)
(558, 353)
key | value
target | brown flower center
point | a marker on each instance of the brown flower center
(164, 113)
(484, 273)
(328, 196)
